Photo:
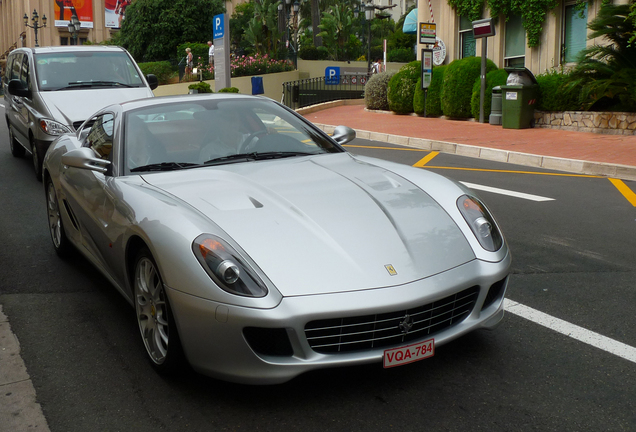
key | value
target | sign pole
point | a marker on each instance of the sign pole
(221, 33)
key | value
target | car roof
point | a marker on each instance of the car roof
(71, 48)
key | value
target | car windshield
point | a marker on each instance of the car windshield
(208, 132)
(85, 69)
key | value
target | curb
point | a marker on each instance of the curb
(19, 410)
(623, 172)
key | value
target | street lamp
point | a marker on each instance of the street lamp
(369, 10)
(74, 26)
(295, 8)
(36, 19)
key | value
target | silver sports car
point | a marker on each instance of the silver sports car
(255, 248)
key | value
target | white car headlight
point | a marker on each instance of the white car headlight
(53, 128)
(481, 222)
(226, 267)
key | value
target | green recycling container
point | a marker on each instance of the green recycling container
(518, 99)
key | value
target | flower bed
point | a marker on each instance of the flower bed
(251, 65)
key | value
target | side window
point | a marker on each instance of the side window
(7, 70)
(100, 136)
(16, 67)
(24, 71)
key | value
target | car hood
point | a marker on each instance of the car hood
(324, 224)
(64, 107)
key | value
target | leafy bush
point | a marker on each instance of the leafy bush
(552, 93)
(433, 103)
(228, 90)
(402, 88)
(163, 70)
(375, 91)
(201, 87)
(311, 52)
(401, 55)
(457, 85)
(493, 79)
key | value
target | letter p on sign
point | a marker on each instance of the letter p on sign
(219, 26)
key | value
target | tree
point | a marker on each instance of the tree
(153, 28)
(336, 28)
(262, 30)
(606, 74)
(239, 22)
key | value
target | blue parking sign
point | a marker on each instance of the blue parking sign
(332, 75)
(218, 25)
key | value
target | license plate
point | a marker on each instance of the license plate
(409, 354)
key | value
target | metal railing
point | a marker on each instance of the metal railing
(312, 91)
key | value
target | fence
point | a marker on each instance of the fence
(302, 93)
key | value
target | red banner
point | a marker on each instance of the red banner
(64, 10)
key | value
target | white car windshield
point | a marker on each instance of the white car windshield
(213, 132)
(85, 69)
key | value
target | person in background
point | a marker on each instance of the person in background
(189, 61)
(211, 53)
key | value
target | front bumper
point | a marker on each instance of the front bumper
(213, 338)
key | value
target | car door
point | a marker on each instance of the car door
(94, 199)
(17, 109)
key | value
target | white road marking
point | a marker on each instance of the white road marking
(507, 192)
(579, 333)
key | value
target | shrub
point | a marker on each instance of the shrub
(457, 85)
(433, 103)
(375, 91)
(201, 87)
(163, 70)
(493, 79)
(402, 88)
(228, 90)
(400, 55)
(553, 95)
(311, 52)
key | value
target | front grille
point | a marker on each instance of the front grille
(341, 335)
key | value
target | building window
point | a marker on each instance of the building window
(467, 45)
(515, 40)
(574, 32)
(63, 40)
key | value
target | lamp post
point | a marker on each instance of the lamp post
(74, 26)
(369, 10)
(36, 23)
(295, 8)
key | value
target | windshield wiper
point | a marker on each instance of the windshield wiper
(244, 157)
(164, 166)
(81, 84)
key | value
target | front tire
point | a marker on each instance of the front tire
(56, 229)
(16, 149)
(154, 316)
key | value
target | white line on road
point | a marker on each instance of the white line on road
(579, 333)
(506, 192)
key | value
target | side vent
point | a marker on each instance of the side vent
(71, 215)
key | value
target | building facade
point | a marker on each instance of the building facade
(564, 35)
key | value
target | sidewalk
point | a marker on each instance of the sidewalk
(578, 152)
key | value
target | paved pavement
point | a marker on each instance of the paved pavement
(579, 152)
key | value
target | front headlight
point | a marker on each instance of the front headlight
(53, 128)
(481, 222)
(226, 267)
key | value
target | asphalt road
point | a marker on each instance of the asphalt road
(573, 259)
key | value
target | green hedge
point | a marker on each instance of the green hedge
(375, 91)
(400, 55)
(201, 87)
(433, 102)
(457, 86)
(199, 52)
(552, 94)
(229, 90)
(311, 52)
(163, 70)
(402, 88)
(493, 79)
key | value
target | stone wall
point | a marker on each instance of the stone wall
(613, 123)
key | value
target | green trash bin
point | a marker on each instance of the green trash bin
(519, 98)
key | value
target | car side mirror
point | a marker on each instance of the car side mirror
(84, 158)
(17, 88)
(153, 82)
(343, 134)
